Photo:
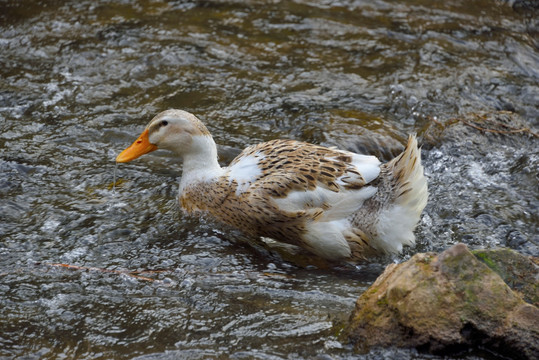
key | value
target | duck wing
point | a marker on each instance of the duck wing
(302, 193)
(301, 176)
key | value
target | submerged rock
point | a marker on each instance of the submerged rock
(482, 170)
(445, 303)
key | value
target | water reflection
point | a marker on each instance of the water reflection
(81, 78)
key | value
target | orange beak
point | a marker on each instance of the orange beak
(140, 147)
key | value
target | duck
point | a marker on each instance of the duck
(333, 203)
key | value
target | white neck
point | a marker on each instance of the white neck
(200, 164)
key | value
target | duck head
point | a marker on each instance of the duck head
(174, 130)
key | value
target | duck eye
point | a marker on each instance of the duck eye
(164, 123)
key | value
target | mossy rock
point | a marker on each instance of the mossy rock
(519, 272)
(442, 303)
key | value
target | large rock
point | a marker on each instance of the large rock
(519, 272)
(445, 302)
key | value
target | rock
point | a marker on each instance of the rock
(445, 303)
(480, 130)
(519, 272)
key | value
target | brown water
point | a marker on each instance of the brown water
(79, 81)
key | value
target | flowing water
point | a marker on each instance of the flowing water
(92, 272)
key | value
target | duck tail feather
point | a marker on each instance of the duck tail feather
(399, 218)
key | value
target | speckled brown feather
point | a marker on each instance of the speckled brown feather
(304, 165)
(287, 166)
(400, 181)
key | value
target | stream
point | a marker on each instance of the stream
(93, 271)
